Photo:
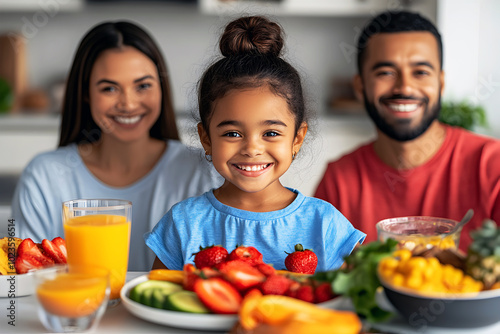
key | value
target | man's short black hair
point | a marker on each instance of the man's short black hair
(394, 22)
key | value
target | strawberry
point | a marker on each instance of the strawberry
(266, 269)
(241, 274)
(292, 289)
(305, 293)
(275, 285)
(218, 295)
(61, 244)
(52, 251)
(29, 256)
(323, 292)
(247, 254)
(209, 256)
(301, 261)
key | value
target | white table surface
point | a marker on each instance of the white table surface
(119, 320)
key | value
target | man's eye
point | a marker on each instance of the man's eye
(384, 73)
(231, 134)
(421, 73)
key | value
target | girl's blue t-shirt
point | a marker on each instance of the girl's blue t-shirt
(203, 221)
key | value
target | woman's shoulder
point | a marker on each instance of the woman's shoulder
(51, 159)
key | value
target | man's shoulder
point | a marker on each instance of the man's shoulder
(472, 140)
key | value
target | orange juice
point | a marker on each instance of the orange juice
(72, 295)
(100, 240)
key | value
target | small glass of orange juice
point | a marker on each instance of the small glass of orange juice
(97, 233)
(70, 298)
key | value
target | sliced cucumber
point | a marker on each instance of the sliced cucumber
(143, 292)
(185, 301)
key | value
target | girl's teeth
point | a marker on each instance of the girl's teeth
(127, 120)
(403, 107)
(253, 168)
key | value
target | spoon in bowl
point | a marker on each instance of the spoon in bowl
(465, 220)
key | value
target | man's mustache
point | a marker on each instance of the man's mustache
(403, 97)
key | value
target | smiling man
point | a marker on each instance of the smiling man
(416, 165)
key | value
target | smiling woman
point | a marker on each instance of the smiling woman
(118, 140)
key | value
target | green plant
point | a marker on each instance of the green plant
(463, 114)
(6, 96)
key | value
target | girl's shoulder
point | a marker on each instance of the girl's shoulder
(192, 205)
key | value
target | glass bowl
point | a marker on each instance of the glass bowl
(424, 231)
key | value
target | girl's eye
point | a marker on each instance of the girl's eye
(271, 134)
(233, 134)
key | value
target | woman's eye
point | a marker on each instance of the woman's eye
(233, 134)
(108, 89)
(144, 86)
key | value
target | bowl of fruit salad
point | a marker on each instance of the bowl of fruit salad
(424, 231)
(445, 287)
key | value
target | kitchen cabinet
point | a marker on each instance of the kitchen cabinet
(306, 7)
(50, 7)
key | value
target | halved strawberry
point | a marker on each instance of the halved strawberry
(61, 244)
(248, 254)
(241, 274)
(266, 269)
(191, 275)
(275, 285)
(25, 263)
(29, 256)
(218, 295)
(53, 251)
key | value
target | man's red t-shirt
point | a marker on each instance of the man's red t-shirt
(463, 174)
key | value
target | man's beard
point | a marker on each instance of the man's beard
(402, 130)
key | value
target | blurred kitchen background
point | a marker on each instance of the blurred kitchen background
(39, 38)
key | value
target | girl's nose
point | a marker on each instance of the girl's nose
(252, 147)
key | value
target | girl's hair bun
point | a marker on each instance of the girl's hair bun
(251, 35)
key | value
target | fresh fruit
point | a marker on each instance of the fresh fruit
(218, 295)
(305, 293)
(174, 276)
(248, 254)
(275, 285)
(145, 292)
(30, 257)
(323, 292)
(483, 254)
(266, 269)
(288, 315)
(61, 244)
(241, 274)
(185, 301)
(53, 251)
(425, 275)
(210, 256)
(301, 261)
(191, 275)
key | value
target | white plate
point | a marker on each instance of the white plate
(172, 318)
(214, 322)
(12, 286)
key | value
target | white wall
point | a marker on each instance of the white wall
(470, 31)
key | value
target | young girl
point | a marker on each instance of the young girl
(252, 127)
(118, 140)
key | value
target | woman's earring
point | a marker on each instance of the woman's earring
(294, 155)
(208, 157)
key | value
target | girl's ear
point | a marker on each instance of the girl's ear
(299, 137)
(204, 139)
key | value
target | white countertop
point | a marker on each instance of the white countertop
(119, 320)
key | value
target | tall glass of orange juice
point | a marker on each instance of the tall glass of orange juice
(97, 233)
